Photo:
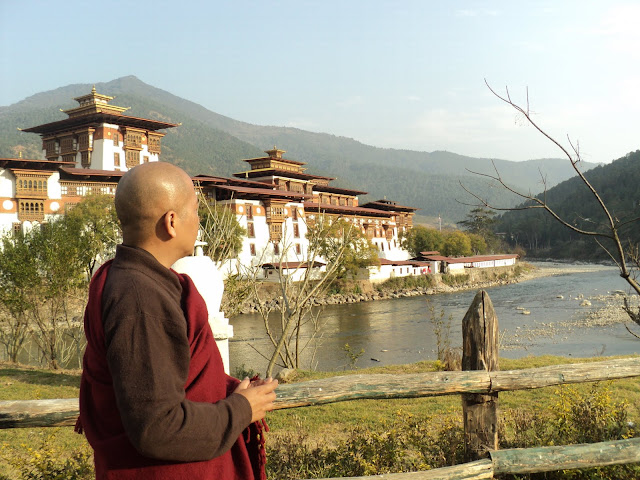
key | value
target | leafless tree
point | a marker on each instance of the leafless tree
(297, 315)
(626, 257)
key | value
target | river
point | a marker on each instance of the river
(400, 331)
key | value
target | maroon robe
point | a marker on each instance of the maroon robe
(114, 455)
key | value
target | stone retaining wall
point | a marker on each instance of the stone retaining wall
(475, 278)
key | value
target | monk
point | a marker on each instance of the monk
(155, 402)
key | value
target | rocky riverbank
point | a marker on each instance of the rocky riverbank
(602, 310)
(483, 279)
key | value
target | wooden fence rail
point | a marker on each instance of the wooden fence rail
(530, 460)
(479, 387)
(59, 412)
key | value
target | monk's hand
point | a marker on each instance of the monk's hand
(260, 394)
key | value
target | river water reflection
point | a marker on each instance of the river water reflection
(399, 331)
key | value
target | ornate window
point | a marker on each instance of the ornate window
(52, 148)
(75, 189)
(276, 249)
(298, 249)
(275, 232)
(154, 143)
(252, 249)
(32, 210)
(249, 209)
(31, 185)
(251, 232)
(133, 140)
(67, 145)
(132, 158)
(85, 159)
(116, 159)
(296, 230)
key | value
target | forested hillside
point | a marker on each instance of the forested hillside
(617, 183)
(207, 142)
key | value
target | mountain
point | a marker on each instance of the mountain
(210, 143)
(616, 183)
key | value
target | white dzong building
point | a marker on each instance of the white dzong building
(274, 200)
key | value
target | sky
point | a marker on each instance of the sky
(394, 74)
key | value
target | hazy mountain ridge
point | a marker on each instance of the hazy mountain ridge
(208, 142)
(616, 183)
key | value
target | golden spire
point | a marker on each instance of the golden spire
(275, 153)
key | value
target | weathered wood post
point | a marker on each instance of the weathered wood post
(480, 352)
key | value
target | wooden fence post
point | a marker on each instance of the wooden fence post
(480, 352)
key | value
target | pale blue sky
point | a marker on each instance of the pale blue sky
(400, 74)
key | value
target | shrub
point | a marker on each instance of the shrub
(408, 444)
(49, 461)
(242, 371)
(455, 280)
(412, 281)
(575, 418)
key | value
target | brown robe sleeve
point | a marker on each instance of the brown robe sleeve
(148, 356)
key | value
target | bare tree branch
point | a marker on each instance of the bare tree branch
(611, 225)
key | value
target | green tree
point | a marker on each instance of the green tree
(342, 243)
(95, 224)
(422, 239)
(60, 290)
(18, 276)
(221, 231)
(44, 276)
(457, 244)
(480, 221)
(478, 244)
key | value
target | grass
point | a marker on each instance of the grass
(27, 383)
(326, 424)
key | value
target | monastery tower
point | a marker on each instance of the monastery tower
(98, 136)
(83, 154)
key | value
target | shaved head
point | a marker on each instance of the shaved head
(145, 194)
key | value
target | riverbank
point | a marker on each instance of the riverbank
(434, 284)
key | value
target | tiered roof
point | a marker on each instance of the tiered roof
(389, 206)
(339, 209)
(32, 164)
(94, 108)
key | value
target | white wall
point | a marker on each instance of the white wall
(54, 190)
(456, 268)
(7, 183)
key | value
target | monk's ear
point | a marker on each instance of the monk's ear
(169, 223)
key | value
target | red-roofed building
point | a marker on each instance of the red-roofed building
(277, 200)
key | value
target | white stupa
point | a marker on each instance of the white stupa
(208, 280)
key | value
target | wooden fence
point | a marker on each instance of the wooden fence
(479, 385)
